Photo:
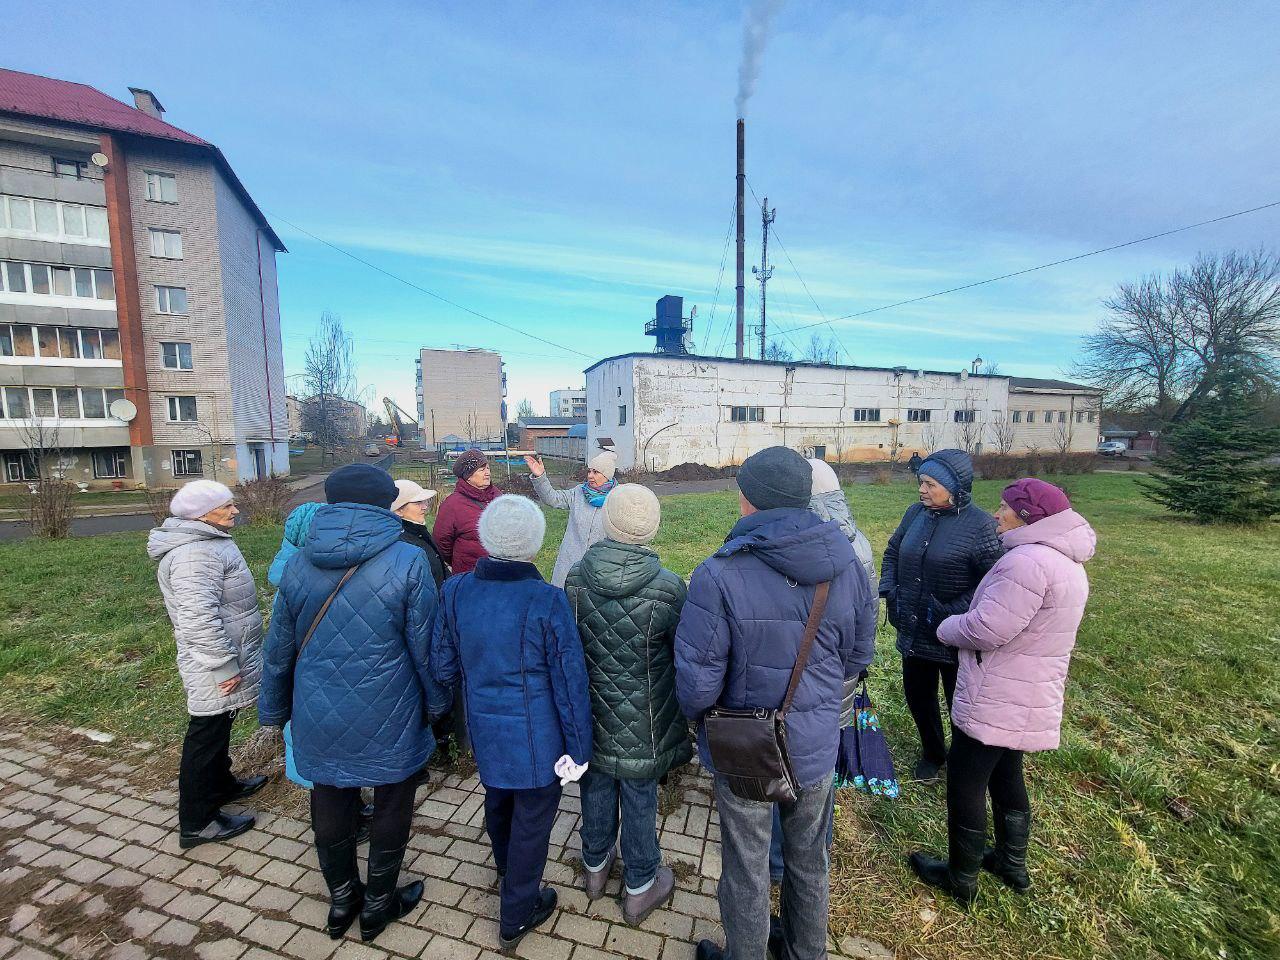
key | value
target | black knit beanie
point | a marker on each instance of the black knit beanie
(361, 483)
(776, 477)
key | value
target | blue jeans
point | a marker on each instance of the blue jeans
(602, 796)
(775, 841)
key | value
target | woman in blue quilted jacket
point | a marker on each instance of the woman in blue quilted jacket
(346, 663)
(512, 640)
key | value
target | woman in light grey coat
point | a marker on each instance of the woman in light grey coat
(586, 519)
(212, 603)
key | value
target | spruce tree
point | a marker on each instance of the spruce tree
(1220, 466)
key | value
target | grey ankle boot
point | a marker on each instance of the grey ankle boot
(597, 880)
(637, 906)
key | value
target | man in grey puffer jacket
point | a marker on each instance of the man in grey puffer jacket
(212, 602)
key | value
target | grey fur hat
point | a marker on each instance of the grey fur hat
(512, 528)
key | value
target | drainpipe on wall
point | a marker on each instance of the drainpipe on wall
(266, 352)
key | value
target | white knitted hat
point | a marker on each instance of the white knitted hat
(631, 514)
(409, 492)
(606, 463)
(512, 528)
(199, 497)
(824, 478)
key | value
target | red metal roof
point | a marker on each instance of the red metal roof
(31, 95)
(36, 96)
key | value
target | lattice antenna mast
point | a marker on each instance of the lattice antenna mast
(765, 270)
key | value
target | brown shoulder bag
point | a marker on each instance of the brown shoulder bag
(749, 747)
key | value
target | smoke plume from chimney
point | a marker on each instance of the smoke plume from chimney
(755, 34)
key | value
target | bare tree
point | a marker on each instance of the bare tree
(777, 350)
(330, 383)
(524, 410)
(1168, 339)
(51, 506)
(968, 427)
(1062, 435)
(1002, 433)
(820, 350)
(933, 436)
(991, 368)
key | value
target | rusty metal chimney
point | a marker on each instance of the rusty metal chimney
(742, 234)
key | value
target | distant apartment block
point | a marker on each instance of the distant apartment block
(461, 393)
(134, 266)
(569, 403)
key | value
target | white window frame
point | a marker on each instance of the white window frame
(165, 244)
(16, 463)
(177, 355)
(965, 415)
(30, 291)
(748, 414)
(164, 301)
(185, 456)
(120, 463)
(173, 405)
(156, 180)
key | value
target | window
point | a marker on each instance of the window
(63, 167)
(40, 281)
(20, 216)
(1093, 416)
(104, 285)
(171, 299)
(42, 401)
(18, 466)
(94, 406)
(866, 414)
(166, 243)
(162, 187)
(47, 217)
(15, 278)
(72, 220)
(111, 344)
(187, 463)
(15, 403)
(96, 221)
(90, 344)
(53, 219)
(47, 341)
(69, 343)
(176, 356)
(110, 464)
(1079, 416)
(6, 342)
(68, 403)
(919, 416)
(622, 415)
(182, 409)
(1062, 416)
(746, 414)
(1017, 416)
(112, 397)
(46, 280)
(62, 282)
(597, 418)
(819, 451)
(966, 416)
(1031, 416)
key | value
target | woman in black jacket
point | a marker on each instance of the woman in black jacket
(412, 505)
(933, 563)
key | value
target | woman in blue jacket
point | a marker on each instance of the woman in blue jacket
(513, 640)
(346, 663)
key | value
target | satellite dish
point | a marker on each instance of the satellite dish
(99, 160)
(123, 409)
(964, 374)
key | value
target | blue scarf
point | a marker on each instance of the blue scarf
(596, 497)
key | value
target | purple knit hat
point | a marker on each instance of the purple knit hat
(468, 463)
(1033, 499)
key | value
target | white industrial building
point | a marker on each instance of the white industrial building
(659, 410)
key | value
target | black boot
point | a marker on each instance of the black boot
(346, 892)
(958, 875)
(1008, 860)
(364, 820)
(508, 940)
(384, 902)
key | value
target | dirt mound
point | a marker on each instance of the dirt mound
(694, 471)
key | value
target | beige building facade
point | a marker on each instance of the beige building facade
(461, 393)
(134, 267)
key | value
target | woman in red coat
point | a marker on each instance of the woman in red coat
(455, 529)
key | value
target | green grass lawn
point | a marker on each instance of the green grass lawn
(1157, 824)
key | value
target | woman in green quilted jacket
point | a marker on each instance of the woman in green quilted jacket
(627, 607)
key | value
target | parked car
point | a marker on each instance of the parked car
(1112, 448)
(372, 450)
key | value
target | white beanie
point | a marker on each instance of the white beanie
(824, 478)
(631, 514)
(512, 528)
(409, 492)
(606, 463)
(199, 497)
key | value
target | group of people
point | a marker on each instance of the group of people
(385, 636)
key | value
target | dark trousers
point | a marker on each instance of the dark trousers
(334, 813)
(519, 824)
(920, 685)
(973, 770)
(204, 775)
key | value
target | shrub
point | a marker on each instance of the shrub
(158, 502)
(265, 500)
(995, 466)
(51, 508)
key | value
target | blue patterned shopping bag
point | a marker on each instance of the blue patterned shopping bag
(865, 762)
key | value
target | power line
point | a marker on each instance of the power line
(724, 258)
(431, 293)
(1045, 266)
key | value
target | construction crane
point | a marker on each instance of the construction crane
(394, 412)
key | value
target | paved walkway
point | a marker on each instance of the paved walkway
(90, 867)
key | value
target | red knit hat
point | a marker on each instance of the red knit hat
(1033, 499)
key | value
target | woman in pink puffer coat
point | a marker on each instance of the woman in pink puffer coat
(1015, 646)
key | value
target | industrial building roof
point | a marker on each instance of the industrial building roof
(31, 95)
(551, 421)
(1031, 383)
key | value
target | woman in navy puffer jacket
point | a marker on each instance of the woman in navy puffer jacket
(359, 693)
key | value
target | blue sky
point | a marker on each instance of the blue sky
(560, 167)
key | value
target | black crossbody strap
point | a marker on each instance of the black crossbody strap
(324, 609)
(806, 644)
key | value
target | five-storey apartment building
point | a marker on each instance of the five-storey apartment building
(139, 316)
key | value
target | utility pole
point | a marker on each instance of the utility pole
(742, 240)
(763, 274)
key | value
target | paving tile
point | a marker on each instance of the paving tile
(580, 929)
(446, 948)
(270, 933)
(631, 942)
(313, 945)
